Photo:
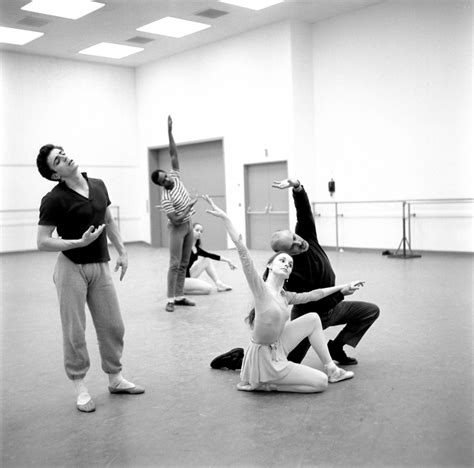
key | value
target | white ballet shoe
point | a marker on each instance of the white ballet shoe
(338, 374)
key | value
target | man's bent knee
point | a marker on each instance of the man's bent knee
(374, 311)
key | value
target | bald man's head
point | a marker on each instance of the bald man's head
(289, 242)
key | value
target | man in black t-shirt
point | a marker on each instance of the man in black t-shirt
(78, 209)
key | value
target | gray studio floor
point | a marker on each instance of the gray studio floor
(410, 403)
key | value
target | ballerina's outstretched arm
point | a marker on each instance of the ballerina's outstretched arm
(318, 294)
(255, 282)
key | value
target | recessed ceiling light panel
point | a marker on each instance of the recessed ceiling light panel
(173, 27)
(71, 9)
(253, 4)
(17, 36)
(107, 49)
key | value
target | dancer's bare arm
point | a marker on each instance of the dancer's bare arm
(173, 148)
(254, 280)
(318, 294)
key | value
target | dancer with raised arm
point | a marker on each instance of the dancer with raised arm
(265, 366)
(178, 206)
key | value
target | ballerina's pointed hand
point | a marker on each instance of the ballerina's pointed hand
(215, 210)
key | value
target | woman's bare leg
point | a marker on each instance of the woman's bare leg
(309, 325)
(199, 267)
(205, 265)
(195, 286)
(300, 379)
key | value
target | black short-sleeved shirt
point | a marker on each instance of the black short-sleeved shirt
(72, 214)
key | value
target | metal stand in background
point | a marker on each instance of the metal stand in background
(404, 242)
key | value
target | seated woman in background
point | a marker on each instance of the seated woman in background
(265, 366)
(197, 266)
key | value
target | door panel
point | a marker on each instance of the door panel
(278, 209)
(257, 189)
(277, 222)
(258, 232)
(266, 207)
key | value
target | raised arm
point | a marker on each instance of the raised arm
(305, 225)
(173, 149)
(254, 280)
(318, 294)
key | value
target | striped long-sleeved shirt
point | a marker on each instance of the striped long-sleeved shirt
(177, 199)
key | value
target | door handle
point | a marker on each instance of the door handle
(270, 211)
(265, 211)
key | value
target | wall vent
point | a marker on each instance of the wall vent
(211, 13)
(139, 40)
(33, 22)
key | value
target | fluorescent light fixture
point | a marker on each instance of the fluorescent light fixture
(72, 9)
(107, 49)
(253, 4)
(173, 27)
(17, 36)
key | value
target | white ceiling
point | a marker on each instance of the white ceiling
(118, 20)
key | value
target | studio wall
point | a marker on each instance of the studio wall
(90, 110)
(393, 120)
(378, 99)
